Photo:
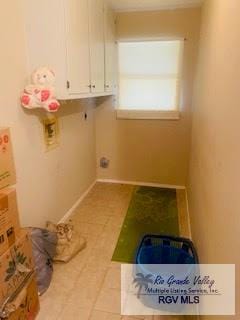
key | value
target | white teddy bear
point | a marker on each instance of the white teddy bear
(41, 93)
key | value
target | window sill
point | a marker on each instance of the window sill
(148, 114)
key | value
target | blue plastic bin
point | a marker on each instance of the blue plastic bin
(162, 249)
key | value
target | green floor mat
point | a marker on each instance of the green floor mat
(151, 211)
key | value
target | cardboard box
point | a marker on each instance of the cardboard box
(9, 219)
(26, 303)
(7, 168)
(15, 265)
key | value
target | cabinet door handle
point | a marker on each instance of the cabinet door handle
(106, 86)
(93, 86)
(89, 86)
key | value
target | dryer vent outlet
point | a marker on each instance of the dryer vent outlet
(104, 163)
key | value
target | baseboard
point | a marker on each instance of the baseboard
(76, 204)
(138, 183)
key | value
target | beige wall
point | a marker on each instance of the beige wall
(48, 183)
(151, 150)
(214, 181)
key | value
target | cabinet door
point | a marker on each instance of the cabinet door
(96, 32)
(77, 34)
(110, 50)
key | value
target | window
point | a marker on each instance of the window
(149, 79)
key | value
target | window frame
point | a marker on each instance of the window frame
(152, 114)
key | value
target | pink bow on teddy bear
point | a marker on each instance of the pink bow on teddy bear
(41, 93)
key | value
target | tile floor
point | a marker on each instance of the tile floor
(88, 287)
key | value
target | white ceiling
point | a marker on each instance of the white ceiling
(140, 5)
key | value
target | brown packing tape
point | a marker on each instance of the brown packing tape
(7, 167)
(3, 209)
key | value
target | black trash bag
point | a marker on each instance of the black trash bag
(44, 244)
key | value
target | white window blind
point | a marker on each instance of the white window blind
(149, 75)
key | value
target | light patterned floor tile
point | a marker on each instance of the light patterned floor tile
(109, 300)
(116, 265)
(112, 279)
(74, 312)
(88, 287)
(100, 315)
(89, 229)
(114, 224)
(91, 217)
(50, 309)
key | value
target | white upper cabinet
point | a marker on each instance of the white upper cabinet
(110, 49)
(96, 32)
(68, 36)
(77, 45)
(45, 39)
